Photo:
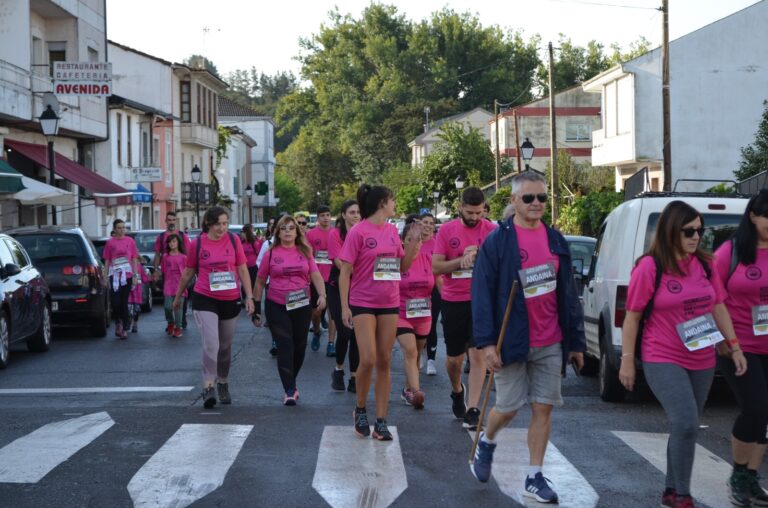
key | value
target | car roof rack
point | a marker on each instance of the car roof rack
(636, 187)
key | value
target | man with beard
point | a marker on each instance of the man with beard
(458, 242)
(170, 228)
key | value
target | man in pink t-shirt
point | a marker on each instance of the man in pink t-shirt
(318, 240)
(454, 256)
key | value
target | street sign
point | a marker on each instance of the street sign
(137, 175)
(425, 210)
(82, 78)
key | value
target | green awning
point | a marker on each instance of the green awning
(10, 179)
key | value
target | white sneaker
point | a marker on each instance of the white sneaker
(422, 361)
(431, 370)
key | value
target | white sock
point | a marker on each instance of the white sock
(486, 439)
(340, 368)
(533, 470)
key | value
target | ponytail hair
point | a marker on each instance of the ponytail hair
(371, 198)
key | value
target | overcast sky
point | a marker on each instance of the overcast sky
(240, 34)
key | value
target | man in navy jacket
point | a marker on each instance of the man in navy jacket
(545, 326)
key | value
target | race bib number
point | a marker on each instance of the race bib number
(417, 307)
(760, 319)
(321, 257)
(699, 332)
(538, 280)
(221, 281)
(297, 299)
(466, 273)
(120, 261)
(386, 269)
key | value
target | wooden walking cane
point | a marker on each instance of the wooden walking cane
(487, 395)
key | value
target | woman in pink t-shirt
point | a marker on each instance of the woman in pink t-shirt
(123, 266)
(290, 268)
(173, 264)
(684, 318)
(218, 259)
(371, 301)
(428, 247)
(743, 264)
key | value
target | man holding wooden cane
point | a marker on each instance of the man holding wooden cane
(545, 325)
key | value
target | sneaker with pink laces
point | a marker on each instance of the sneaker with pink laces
(668, 498)
(683, 502)
(177, 332)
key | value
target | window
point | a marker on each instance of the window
(199, 119)
(18, 253)
(38, 64)
(57, 52)
(144, 148)
(168, 165)
(5, 254)
(128, 131)
(186, 102)
(119, 138)
(577, 132)
(155, 156)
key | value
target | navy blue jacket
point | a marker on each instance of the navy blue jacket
(497, 265)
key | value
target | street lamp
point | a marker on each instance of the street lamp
(419, 199)
(196, 175)
(49, 123)
(527, 149)
(436, 195)
(459, 182)
(249, 193)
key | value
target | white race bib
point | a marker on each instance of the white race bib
(466, 273)
(221, 281)
(386, 268)
(417, 307)
(538, 280)
(321, 257)
(297, 299)
(120, 261)
(760, 319)
(699, 332)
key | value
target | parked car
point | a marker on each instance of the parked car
(624, 236)
(582, 248)
(73, 272)
(25, 301)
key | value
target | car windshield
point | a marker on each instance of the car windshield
(145, 242)
(717, 229)
(50, 248)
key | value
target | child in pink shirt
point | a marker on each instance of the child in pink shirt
(174, 262)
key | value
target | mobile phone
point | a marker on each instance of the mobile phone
(575, 366)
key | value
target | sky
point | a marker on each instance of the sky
(240, 34)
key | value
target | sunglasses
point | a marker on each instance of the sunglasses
(288, 228)
(528, 198)
(301, 223)
(689, 232)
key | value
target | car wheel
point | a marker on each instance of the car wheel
(611, 389)
(41, 341)
(5, 341)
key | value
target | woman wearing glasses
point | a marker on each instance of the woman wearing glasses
(428, 247)
(290, 267)
(678, 296)
(742, 263)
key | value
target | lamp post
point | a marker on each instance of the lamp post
(249, 193)
(436, 195)
(419, 199)
(459, 182)
(49, 123)
(318, 199)
(527, 149)
(196, 175)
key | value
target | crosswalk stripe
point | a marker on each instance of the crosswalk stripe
(31, 457)
(352, 472)
(95, 389)
(710, 472)
(511, 464)
(190, 465)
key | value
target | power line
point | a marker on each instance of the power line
(602, 4)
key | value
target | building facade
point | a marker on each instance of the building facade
(422, 145)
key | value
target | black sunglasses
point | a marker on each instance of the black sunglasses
(528, 198)
(689, 232)
(301, 223)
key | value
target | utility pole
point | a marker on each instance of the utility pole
(497, 157)
(667, 134)
(552, 136)
(517, 143)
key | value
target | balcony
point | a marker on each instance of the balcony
(197, 134)
(612, 151)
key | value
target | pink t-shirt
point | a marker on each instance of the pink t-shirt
(119, 251)
(251, 251)
(173, 266)
(160, 241)
(417, 282)
(428, 247)
(539, 280)
(452, 239)
(335, 243)
(365, 243)
(218, 266)
(678, 299)
(288, 270)
(318, 240)
(747, 289)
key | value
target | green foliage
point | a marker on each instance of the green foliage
(722, 189)
(754, 158)
(201, 62)
(499, 201)
(340, 194)
(289, 193)
(407, 199)
(225, 136)
(585, 214)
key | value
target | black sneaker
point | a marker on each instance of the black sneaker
(362, 428)
(459, 406)
(337, 380)
(352, 385)
(273, 349)
(759, 496)
(380, 430)
(739, 488)
(471, 418)
(223, 390)
(209, 397)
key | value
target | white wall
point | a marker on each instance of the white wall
(141, 79)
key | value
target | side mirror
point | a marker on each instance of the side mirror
(10, 270)
(578, 268)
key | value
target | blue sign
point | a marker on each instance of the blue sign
(142, 195)
(425, 210)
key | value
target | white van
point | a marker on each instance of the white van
(625, 235)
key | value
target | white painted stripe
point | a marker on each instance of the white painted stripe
(189, 466)
(353, 472)
(710, 472)
(511, 464)
(95, 389)
(31, 457)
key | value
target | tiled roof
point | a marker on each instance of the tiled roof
(228, 107)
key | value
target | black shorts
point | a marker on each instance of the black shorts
(225, 309)
(313, 296)
(356, 311)
(405, 331)
(457, 326)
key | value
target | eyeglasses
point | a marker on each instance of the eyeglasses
(290, 227)
(528, 198)
(301, 223)
(689, 232)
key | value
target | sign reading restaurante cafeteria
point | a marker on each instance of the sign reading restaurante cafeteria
(150, 174)
(82, 78)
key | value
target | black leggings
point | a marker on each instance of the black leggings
(344, 336)
(119, 300)
(751, 392)
(432, 337)
(289, 331)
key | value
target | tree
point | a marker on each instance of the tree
(288, 192)
(408, 199)
(498, 202)
(340, 194)
(201, 62)
(585, 214)
(754, 157)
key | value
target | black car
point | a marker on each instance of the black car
(25, 302)
(74, 273)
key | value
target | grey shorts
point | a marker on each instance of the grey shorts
(537, 380)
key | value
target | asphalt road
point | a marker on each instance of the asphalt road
(153, 444)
